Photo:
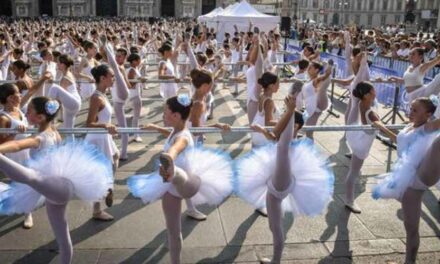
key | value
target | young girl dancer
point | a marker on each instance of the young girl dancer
(99, 116)
(268, 114)
(253, 73)
(315, 94)
(12, 117)
(360, 142)
(296, 171)
(53, 176)
(416, 169)
(66, 93)
(135, 90)
(167, 72)
(119, 91)
(414, 75)
(202, 82)
(85, 67)
(182, 174)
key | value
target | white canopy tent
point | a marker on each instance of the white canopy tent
(241, 14)
(210, 16)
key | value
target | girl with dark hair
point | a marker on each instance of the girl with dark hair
(99, 116)
(84, 70)
(268, 114)
(202, 82)
(52, 177)
(66, 93)
(416, 169)
(360, 142)
(119, 90)
(12, 117)
(135, 91)
(285, 176)
(167, 71)
(414, 75)
(315, 94)
(182, 175)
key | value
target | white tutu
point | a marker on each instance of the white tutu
(394, 185)
(105, 143)
(214, 168)
(312, 179)
(83, 164)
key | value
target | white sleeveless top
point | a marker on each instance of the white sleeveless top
(135, 91)
(173, 136)
(168, 89)
(22, 155)
(310, 97)
(251, 80)
(259, 139)
(414, 78)
(47, 139)
(406, 136)
(72, 88)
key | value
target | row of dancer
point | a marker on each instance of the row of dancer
(253, 184)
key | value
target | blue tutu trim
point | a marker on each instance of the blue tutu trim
(213, 166)
(394, 184)
(312, 179)
(18, 198)
(89, 170)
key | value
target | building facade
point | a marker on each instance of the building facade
(366, 12)
(132, 8)
(363, 12)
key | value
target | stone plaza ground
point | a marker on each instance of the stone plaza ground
(233, 232)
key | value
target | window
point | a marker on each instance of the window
(315, 3)
(370, 20)
(325, 19)
(371, 5)
(430, 4)
(304, 3)
(357, 19)
(359, 4)
(397, 18)
(346, 18)
(315, 17)
(337, 3)
(383, 19)
(384, 5)
(399, 5)
(327, 4)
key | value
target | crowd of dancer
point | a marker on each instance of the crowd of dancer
(96, 59)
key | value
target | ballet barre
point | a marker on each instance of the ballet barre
(142, 80)
(210, 130)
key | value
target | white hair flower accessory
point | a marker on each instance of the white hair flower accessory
(184, 99)
(434, 99)
(51, 107)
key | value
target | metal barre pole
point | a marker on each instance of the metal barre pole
(199, 129)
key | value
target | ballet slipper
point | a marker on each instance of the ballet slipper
(28, 222)
(102, 216)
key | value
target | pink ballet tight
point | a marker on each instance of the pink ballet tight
(71, 105)
(187, 186)
(57, 191)
(428, 174)
(312, 121)
(252, 109)
(352, 177)
(122, 122)
(278, 190)
(137, 105)
(122, 93)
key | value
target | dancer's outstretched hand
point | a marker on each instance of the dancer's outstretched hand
(290, 102)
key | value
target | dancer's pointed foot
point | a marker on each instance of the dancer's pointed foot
(28, 222)
(102, 216)
(196, 214)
